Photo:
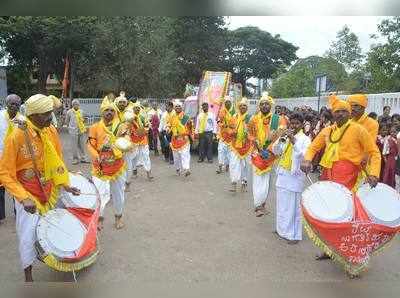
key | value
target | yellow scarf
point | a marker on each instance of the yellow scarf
(262, 133)
(117, 153)
(79, 120)
(228, 115)
(286, 159)
(203, 122)
(331, 153)
(241, 130)
(176, 125)
(139, 121)
(54, 167)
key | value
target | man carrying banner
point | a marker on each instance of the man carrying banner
(77, 129)
(241, 147)
(224, 134)
(181, 128)
(33, 171)
(108, 165)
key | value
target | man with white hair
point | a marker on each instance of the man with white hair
(75, 122)
(8, 121)
(181, 128)
(33, 171)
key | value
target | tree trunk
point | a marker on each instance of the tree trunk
(42, 79)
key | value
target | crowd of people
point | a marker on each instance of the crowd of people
(340, 142)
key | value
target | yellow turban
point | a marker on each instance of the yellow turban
(337, 104)
(136, 105)
(39, 104)
(227, 98)
(360, 99)
(266, 97)
(106, 105)
(56, 102)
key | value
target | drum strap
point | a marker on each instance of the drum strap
(35, 168)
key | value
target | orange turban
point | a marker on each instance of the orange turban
(360, 99)
(337, 104)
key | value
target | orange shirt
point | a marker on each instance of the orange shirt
(254, 127)
(224, 121)
(16, 157)
(97, 138)
(354, 145)
(370, 125)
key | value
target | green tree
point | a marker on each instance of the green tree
(300, 79)
(252, 52)
(199, 44)
(383, 60)
(42, 43)
(346, 49)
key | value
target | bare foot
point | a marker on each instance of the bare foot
(100, 224)
(322, 256)
(187, 173)
(292, 242)
(119, 223)
(233, 188)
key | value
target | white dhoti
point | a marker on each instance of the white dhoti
(239, 168)
(260, 187)
(143, 157)
(223, 153)
(26, 231)
(114, 189)
(182, 158)
(288, 214)
(129, 159)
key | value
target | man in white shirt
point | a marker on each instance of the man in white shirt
(206, 129)
(77, 130)
(8, 120)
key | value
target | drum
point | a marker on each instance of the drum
(328, 201)
(382, 204)
(89, 197)
(123, 144)
(59, 233)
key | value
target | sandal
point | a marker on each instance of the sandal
(322, 256)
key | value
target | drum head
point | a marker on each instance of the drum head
(382, 204)
(88, 198)
(328, 201)
(60, 233)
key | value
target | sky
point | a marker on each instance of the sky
(312, 34)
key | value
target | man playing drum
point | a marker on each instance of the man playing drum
(263, 129)
(108, 165)
(346, 144)
(32, 170)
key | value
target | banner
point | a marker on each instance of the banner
(213, 88)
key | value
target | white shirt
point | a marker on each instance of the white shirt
(3, 128)
(211, 124)
(292, 180)
(72, 122)
(163, 121)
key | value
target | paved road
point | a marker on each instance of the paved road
(194, 230)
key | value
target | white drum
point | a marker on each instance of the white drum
(89, 197)
(382, 204)
(328, 201)
(123, 144)
(60, 233)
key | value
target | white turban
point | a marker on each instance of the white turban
(177, 103)
(121, 98)
(75, 101)
(39, 104)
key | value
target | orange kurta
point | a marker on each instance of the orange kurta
(225, 120)
(370, 125)
(247, 147)
(263, 165)
(17, 167)
(180, 139)
(354, 145)
(139, 131)
(97, 138)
